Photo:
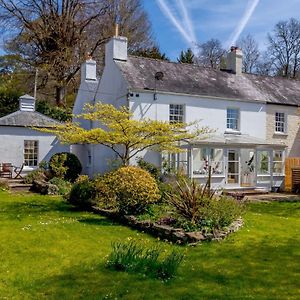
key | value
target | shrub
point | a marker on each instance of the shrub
(38, 175)
(57, 165)
(187, 200)
(4, 186)
(64, 187)
(83, 194)
(82, 178)
(134, 257)
(133, 188)
(106, 196)
(65, 165)
(150, 168)
(221, 212)
(197, 208)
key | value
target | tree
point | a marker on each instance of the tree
(265, 65)
(211, 53)
(57, 35)
(186, 57)
(152, 52)
(250, 53)
(284, 48)
(122, 134)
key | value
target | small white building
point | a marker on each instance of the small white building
(232, 103)
(19, 144)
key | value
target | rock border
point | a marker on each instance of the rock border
(169, 233)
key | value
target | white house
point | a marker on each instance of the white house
(234, 104)
(19, 144)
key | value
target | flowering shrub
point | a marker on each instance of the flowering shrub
(132, 189)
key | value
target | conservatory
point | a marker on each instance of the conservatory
(234, 161)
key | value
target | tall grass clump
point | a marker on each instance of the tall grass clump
(134, 257)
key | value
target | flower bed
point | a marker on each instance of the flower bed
(167, 232)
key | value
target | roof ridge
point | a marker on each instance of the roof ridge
(171, 62)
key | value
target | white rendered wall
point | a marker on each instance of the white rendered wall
(12, 144)
(112, 90)
(86, 95)
(291, 138)
(212, 113)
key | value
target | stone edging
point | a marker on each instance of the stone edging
(166, 232)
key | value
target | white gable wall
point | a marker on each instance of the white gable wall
(85, 95)
(12, 145)
(112, 90)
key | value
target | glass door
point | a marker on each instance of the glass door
(233, 167)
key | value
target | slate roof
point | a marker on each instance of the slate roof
(196, 80)
(27, 118)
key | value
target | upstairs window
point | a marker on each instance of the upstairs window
(176, 113)
(31, 153)
(233, 118)
(280, 122)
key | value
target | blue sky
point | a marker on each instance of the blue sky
(201, 20)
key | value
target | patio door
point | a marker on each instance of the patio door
(233, 167)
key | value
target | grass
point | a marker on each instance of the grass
(50, 251)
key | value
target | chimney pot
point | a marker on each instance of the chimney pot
(116, 30)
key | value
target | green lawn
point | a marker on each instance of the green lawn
(50, 251)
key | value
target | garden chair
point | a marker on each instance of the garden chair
(18, 171)
(6, 170)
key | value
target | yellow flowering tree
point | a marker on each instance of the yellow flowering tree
(124, 135)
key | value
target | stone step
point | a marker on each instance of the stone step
(19, 185)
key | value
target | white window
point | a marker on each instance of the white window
(31, 153)
(280, 122)
(278, 162)
(205, 157)
(233, 115)
(176, 113)
(263, 162)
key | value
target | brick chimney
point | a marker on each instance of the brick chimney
(27, 103)
(235, 60)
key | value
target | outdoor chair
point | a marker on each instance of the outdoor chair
(18, 171)
(6, 170)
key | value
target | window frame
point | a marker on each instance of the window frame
(231, 118)
(280, 123)
(208, 159)
(31, 159)
(281, 161)
(174, 115)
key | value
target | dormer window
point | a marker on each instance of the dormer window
(233, 116)
(280, 122)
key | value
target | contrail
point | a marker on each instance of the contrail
(187, 19)
(245, 19)
(167, 12)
